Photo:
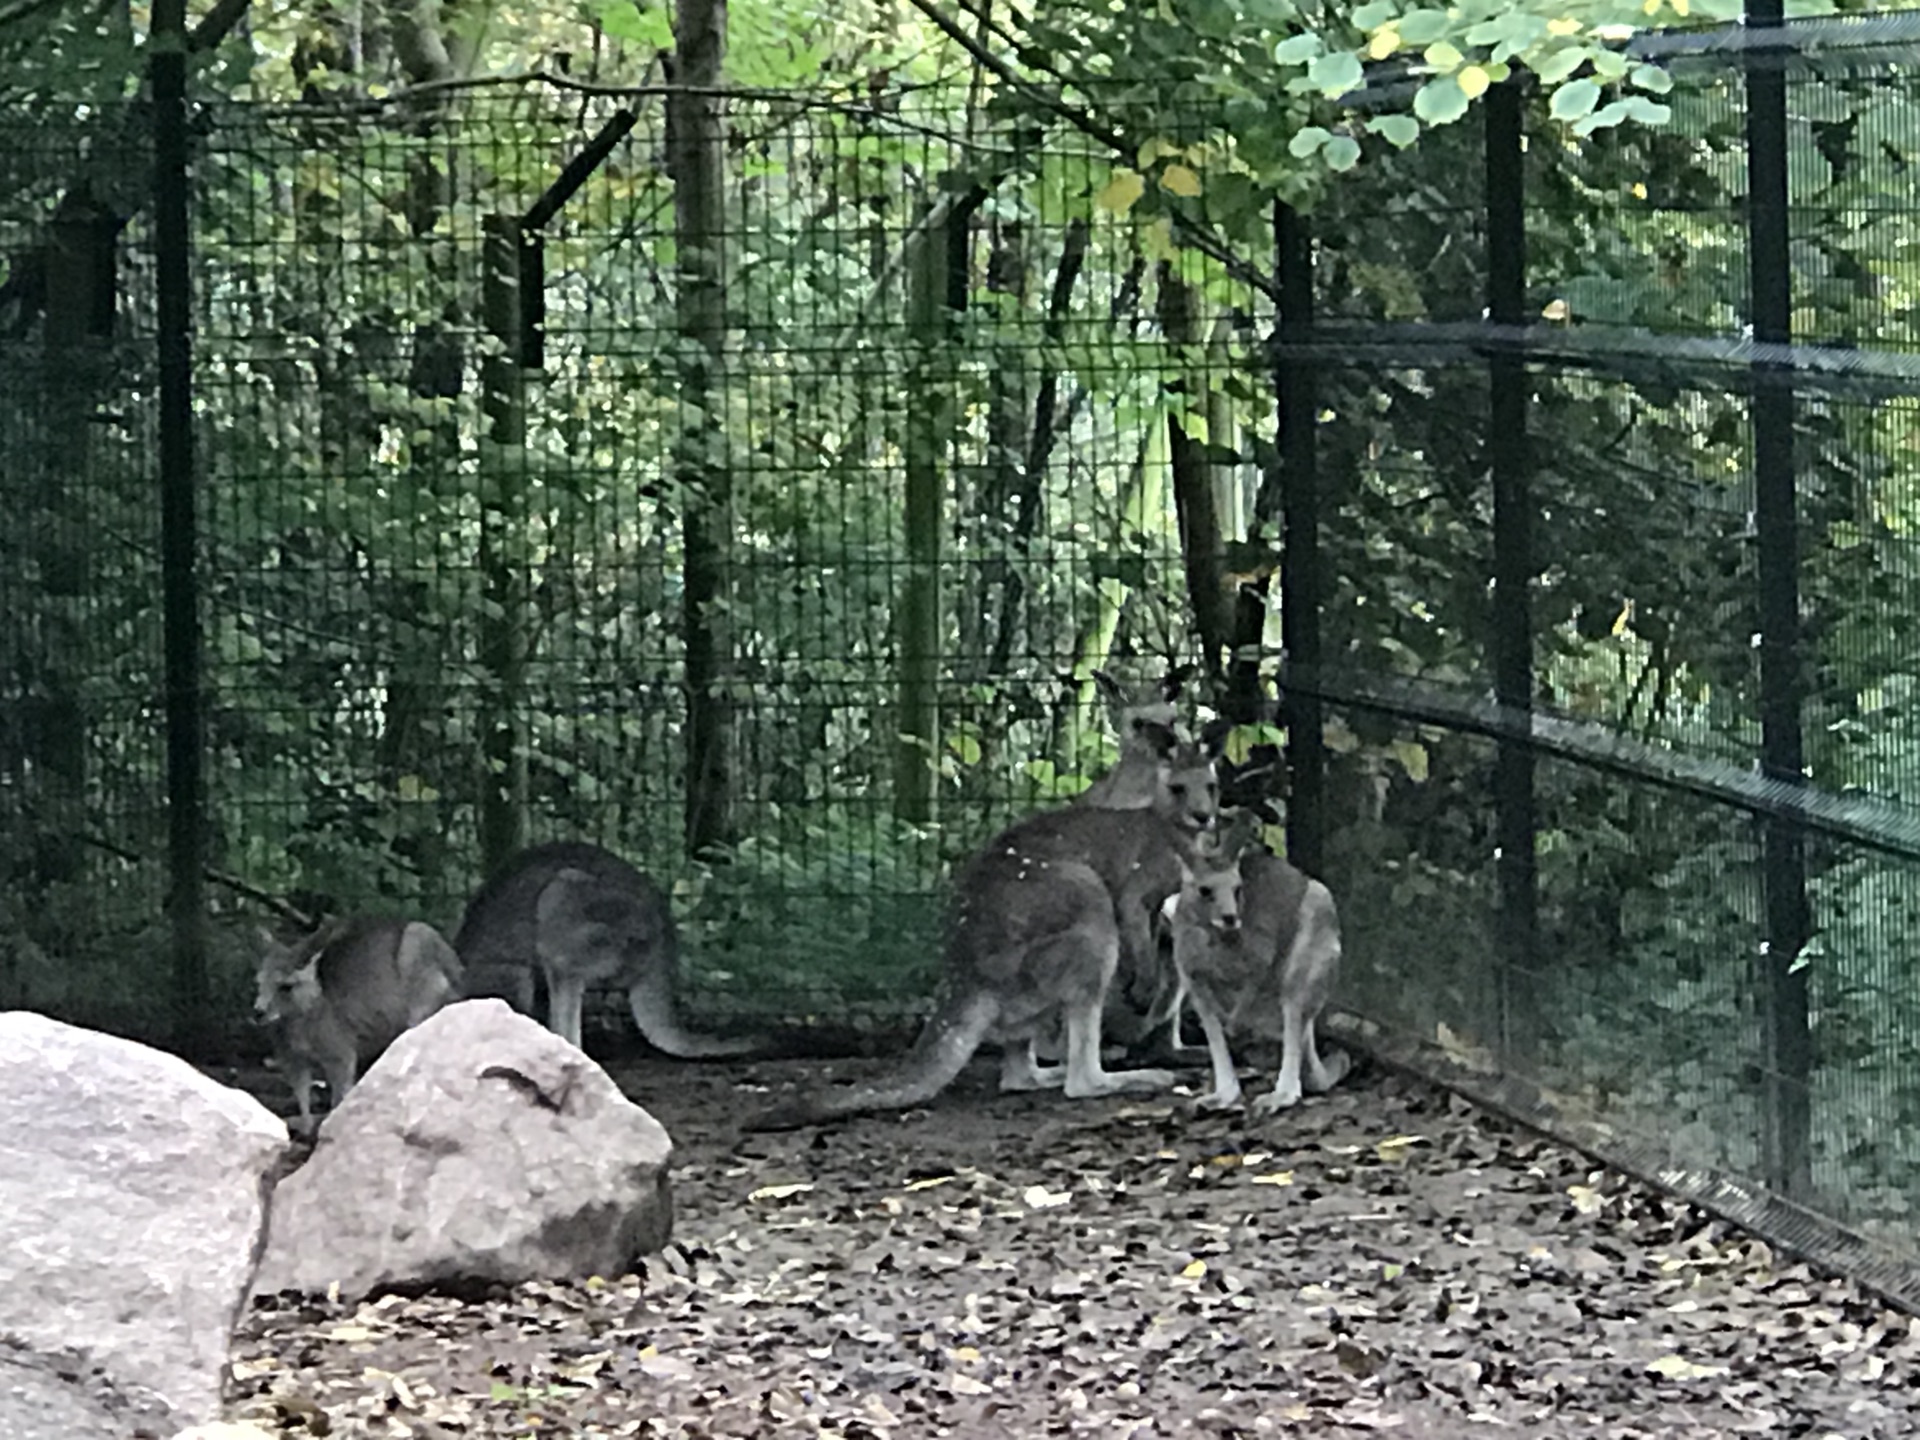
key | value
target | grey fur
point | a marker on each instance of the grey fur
(1129, 785)
(1041, 922)
(1257, 946)
(583, 915)
(338, 998)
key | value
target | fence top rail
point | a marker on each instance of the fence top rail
(1623, 351)
(1881, 825)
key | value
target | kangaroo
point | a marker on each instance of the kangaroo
(1043, 918)
(338, 998)
(1257, 946)
(1129, 785)
(581, 914)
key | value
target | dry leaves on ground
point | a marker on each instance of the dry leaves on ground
(1381, 1260)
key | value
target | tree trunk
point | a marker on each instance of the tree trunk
(696, 159)
(503, 573)
(1193, 496)
(917, 724)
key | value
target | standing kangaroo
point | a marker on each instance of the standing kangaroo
(581, 914)
(1129, 785)
(1257, 945)
(1042, 918)
(337, 999)
(1147, 996)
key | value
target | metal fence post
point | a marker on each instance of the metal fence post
(1786, 1044)
(179, 537)
(1301, 584)
(1510, 460)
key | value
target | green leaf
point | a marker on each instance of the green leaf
(1441, 101)
(1307, 141)
(1342, 153)
(1423, 27)
(1336, 74)
(1557, 66)
(637, 24)
(1517, 28)
(1573, 100)
(1297, 49)
(1374, 14)
(1650, 78)
(1399, 131)
(1604, 118)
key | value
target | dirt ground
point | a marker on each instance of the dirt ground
(1384, 1259)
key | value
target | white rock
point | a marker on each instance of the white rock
(132, 1191)
(480, 1147)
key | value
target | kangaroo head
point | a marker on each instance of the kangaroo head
(288, 980)
(1186, 789)
(1211, 892)
(1136, 712)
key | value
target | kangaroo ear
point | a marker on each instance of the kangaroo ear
(1213, 737)
(1174, 680)
(1109, 688)
(1243, 832)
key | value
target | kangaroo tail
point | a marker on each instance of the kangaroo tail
(946, 1042)
(658, 1015)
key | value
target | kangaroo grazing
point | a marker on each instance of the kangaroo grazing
(338, 998)
(582, 914)
(1257, 945)
(1042, 919)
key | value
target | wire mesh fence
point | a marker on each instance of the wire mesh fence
(500, 541)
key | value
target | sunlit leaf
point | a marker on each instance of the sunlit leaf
(1121, 193)
(1181, 181)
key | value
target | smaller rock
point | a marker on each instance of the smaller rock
(480, 1148)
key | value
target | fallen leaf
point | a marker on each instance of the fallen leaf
(1039, 1197)
(780, 1192)
(1678, 1367)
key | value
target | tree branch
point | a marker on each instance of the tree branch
(1195, 232)
(284, 909)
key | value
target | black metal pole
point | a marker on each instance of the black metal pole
(1302, 590)
(1510, 460)
(179, 539)
(1787, 1044)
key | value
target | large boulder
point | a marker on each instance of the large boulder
(133, 1190)
(481, 1147)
